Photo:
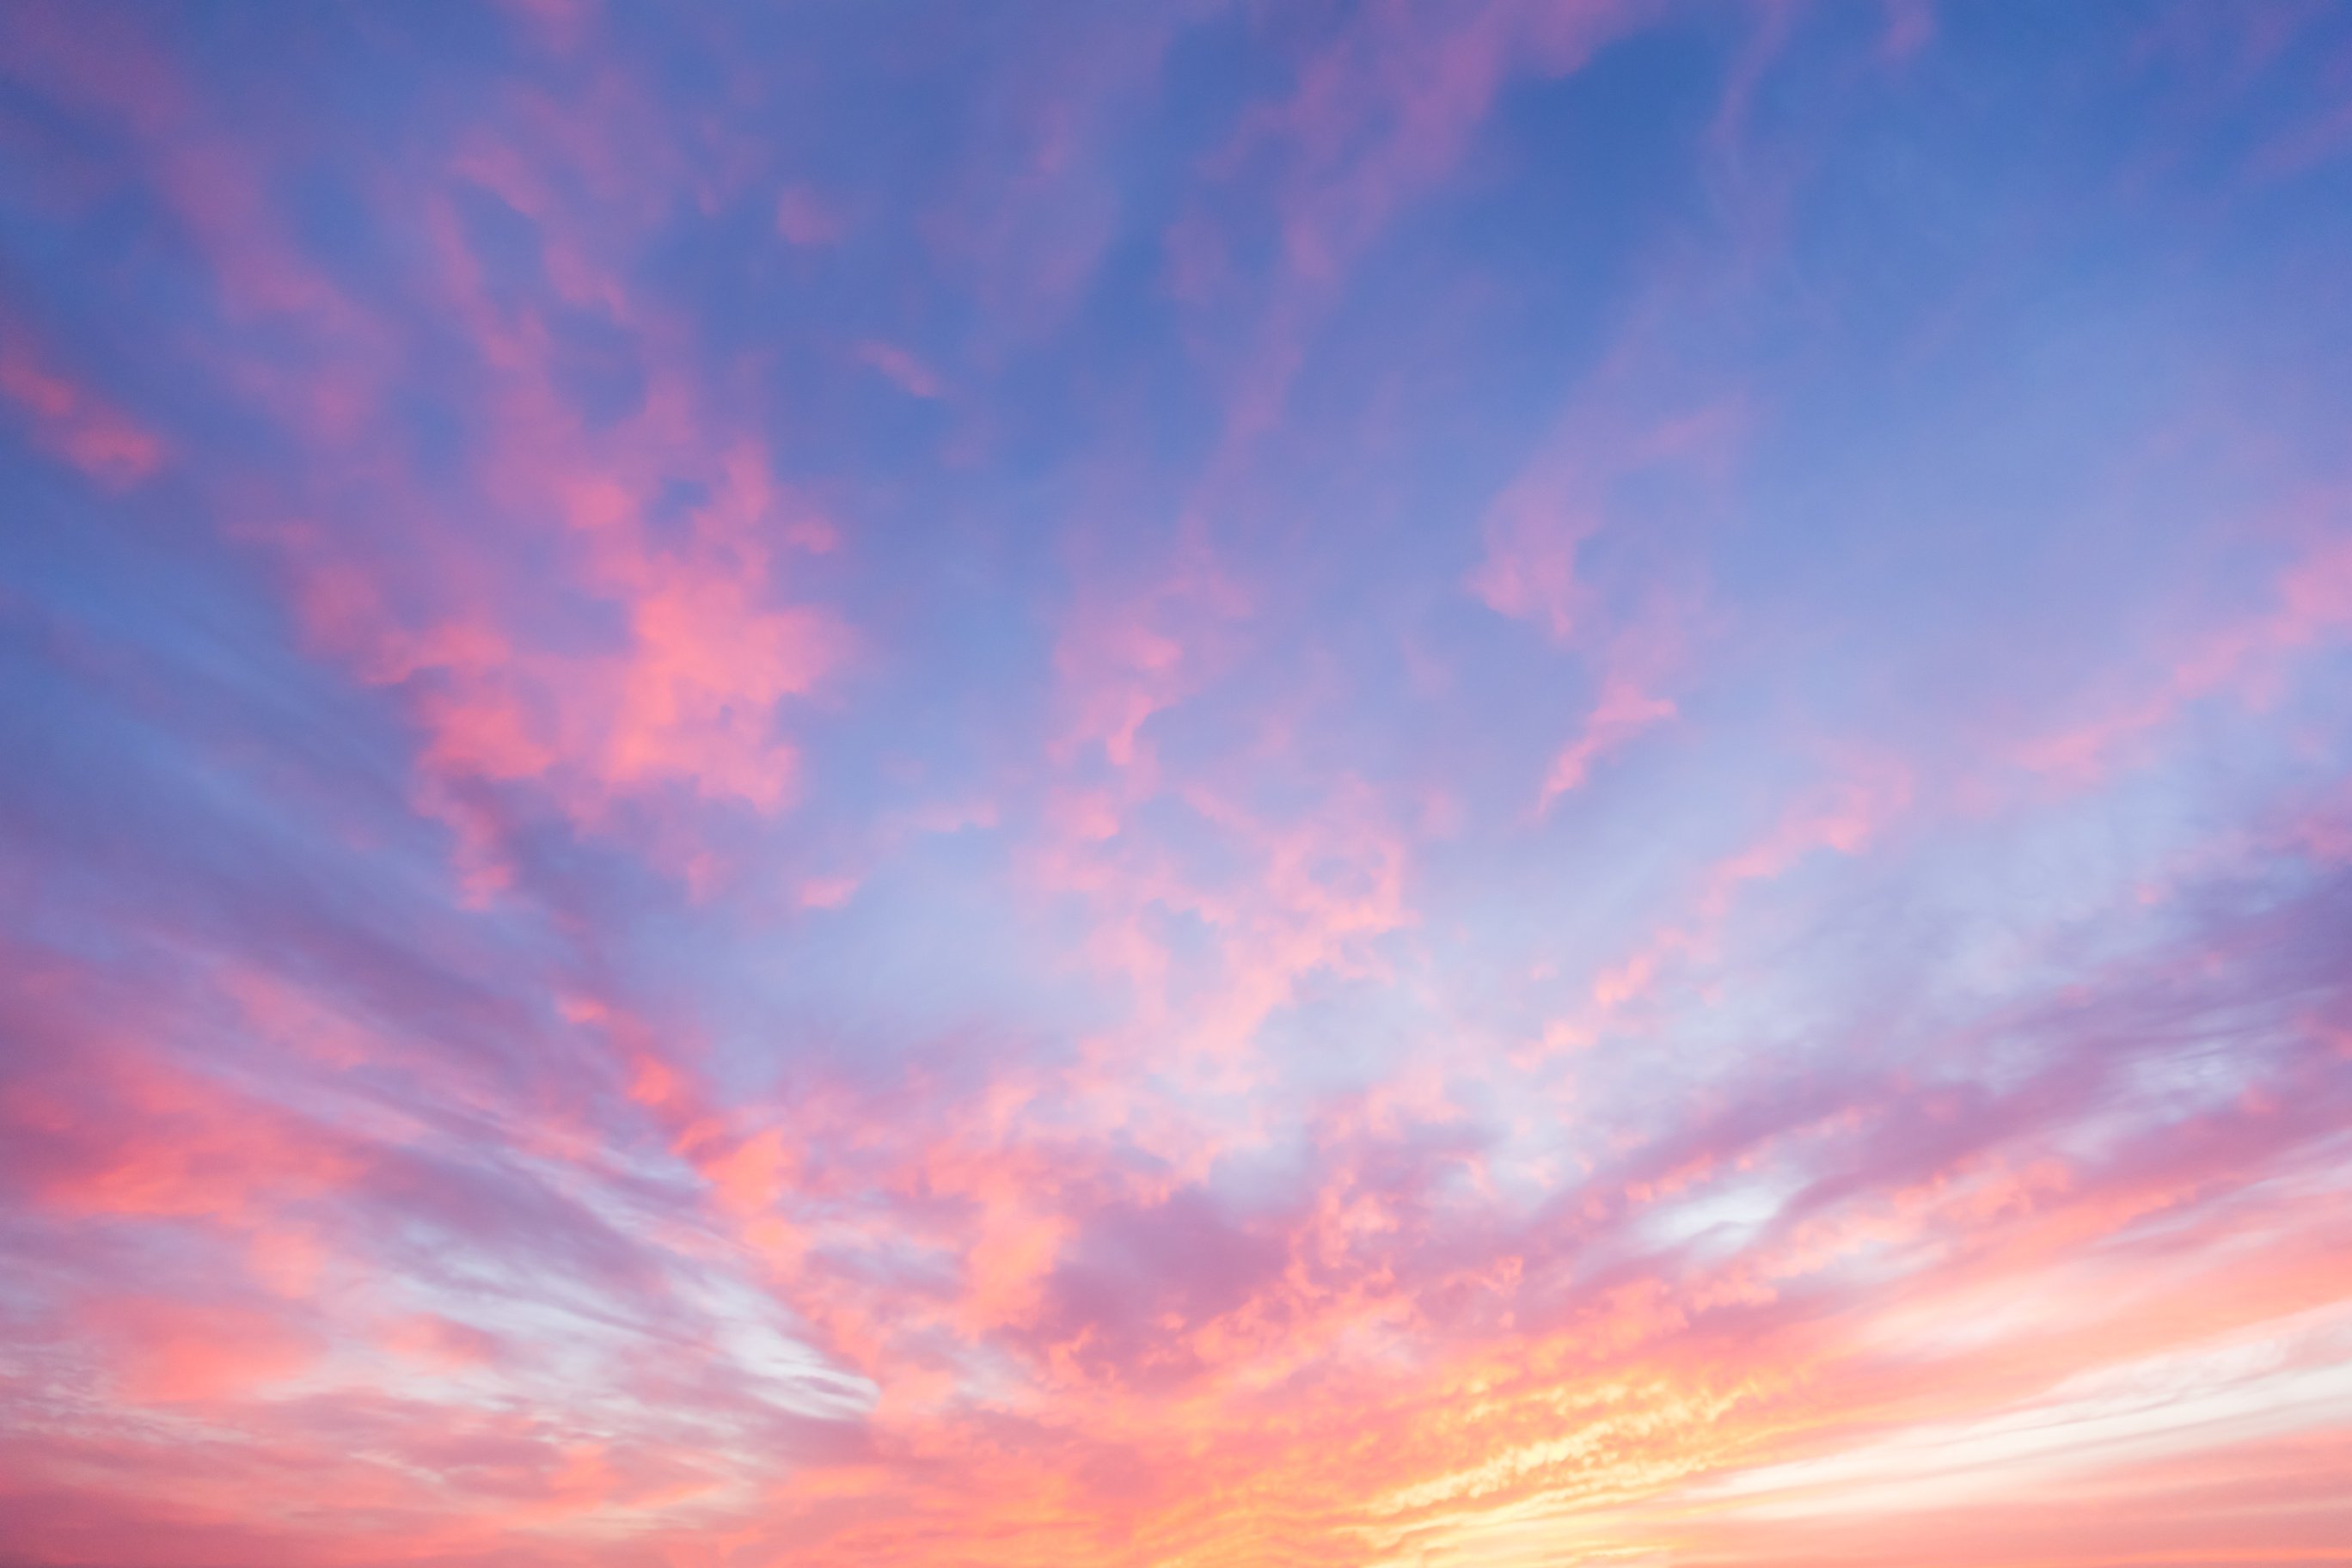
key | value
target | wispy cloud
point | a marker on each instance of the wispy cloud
(1507, 783)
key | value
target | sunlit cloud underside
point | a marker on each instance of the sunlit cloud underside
(1455, 784)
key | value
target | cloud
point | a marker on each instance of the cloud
(73, 421)
(1422, 867)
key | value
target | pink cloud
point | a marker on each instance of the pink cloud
(2245, 661)
(74, 422)
(1123, 657)
(806, 218)
(1622, 712)
(442, 1344)
(172, 1352)
(1564, 497)
(1910, 27)
(827, 892)
(1138, 1170)
(1635, 668)
(900, 368)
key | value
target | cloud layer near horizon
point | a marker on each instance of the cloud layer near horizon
(1478, 784)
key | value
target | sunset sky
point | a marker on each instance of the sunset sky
(1431, 783)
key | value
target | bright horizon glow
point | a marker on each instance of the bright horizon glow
(1496, 784)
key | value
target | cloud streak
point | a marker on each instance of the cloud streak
(1492, 784)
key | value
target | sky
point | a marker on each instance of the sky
(1432, 783)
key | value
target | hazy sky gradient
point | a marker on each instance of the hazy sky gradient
(1203, 785)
